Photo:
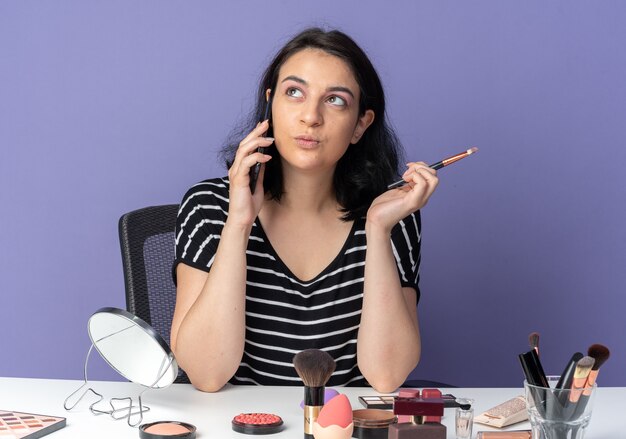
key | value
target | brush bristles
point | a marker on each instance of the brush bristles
(599, 353)
(533, 340)
(583, 366)
(314, 367)
(472, 150)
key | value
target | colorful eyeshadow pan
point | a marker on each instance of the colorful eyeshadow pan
(29, 425)
(384, 402)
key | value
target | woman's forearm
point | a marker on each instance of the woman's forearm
(388, 346)
(210, 339)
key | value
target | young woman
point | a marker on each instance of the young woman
(320, 255)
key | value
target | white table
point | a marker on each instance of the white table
(212, 413)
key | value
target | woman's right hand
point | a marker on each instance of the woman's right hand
(244, 207)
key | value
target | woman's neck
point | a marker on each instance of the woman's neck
(310, 193)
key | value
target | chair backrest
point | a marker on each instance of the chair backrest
(147, 244)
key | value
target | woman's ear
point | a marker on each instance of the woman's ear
(361, 125)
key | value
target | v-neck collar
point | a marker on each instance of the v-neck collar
(330, 267)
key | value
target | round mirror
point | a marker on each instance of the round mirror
(132, 348)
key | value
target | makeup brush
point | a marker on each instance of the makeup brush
(314, 367)
(583, 368)
(439, 165)
(600, 354)
(566, 378)
(533, 340)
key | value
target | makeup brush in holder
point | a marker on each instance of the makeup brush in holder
(533, 341)
(563, 410)
(314, 367)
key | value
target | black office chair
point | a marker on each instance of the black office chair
(147, 244)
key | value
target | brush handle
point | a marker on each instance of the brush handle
(399, 183)
(565, 381)
(533, 369)
(313, 403)
(535, 376)
(564, 384)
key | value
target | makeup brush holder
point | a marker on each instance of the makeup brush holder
(559, 413)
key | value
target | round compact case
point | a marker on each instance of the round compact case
(167, 430)
(257, 423)
(372, 423)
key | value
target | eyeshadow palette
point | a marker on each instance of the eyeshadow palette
(383, 402)
(28, 425)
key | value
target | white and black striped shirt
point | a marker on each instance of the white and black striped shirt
(285, 315)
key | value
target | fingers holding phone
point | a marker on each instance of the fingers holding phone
(250, 152)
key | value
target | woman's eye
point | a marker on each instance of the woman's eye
(336, 100)
(294, 92)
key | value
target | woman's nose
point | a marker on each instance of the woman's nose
(311, 114)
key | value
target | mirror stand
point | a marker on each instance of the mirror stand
(106, 327)
(129, 411)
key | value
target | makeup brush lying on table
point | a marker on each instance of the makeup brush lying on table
(314, 367)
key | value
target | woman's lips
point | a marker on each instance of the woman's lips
(307, 141)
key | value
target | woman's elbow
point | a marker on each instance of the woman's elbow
(386, 383)
(388, 380)
(205, 381)
(209, 385)
(199, 378)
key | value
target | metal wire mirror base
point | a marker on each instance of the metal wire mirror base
(129, 411)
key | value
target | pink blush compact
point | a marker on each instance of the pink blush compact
(257, 423)
(167, 430)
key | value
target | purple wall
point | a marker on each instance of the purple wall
(110, 106)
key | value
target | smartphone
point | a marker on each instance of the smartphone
(254, 172)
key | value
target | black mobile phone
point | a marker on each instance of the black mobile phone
(254, 172)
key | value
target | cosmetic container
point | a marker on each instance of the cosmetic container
(419, 410)
(559, 413)
(464, 419)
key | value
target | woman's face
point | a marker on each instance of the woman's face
(315, 111)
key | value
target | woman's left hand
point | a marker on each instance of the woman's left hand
(391, 206)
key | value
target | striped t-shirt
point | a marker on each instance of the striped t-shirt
(285, 315)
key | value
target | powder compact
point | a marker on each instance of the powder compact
(372, 423)
(167, 430)
(257, 423)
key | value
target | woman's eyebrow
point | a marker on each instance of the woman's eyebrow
(334, 88)
(295, 78)
(343, 89)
